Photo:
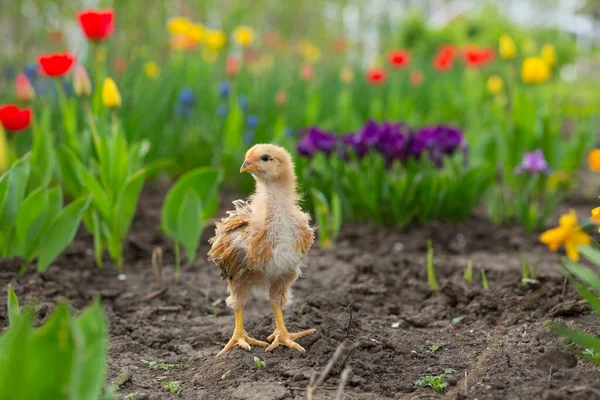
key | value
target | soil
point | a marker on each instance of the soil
(371, 292)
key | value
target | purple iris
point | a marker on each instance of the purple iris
(534, 163)
(391, 141)
(355, 143)
(316, 140)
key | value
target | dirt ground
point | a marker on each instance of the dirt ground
(371, 291)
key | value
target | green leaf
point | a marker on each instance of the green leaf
(14, 358)
(579, 337)
(205, 183)
(584, 274)
(13, 305)
(127, 202)
(189, 223)
(31, 219)
(591, 253)
(55, 203)
(62, 232)
(91, 358)
(93, 186)
(55, 341)
(18, 176)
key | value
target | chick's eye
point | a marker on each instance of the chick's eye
(265, 157)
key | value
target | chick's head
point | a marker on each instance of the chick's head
(269, 163)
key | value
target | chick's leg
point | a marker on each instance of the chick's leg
(281, 336)
(240, 336)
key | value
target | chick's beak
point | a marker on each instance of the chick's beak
(247, 166)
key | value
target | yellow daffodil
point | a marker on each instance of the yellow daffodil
(152, 70)
(567, 234)
(111, 98)
(507, 47)
(179, 26)
(3, 152)
(195, 33)
(494, 84)
(535, 70)
(549, 55)
(243, 36)
(215, 40)
(594, 159)
(596, 216)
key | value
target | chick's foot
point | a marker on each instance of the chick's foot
(242, 340)
(284, 338)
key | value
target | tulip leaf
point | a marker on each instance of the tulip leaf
(92, 355)
(205, 183)
(56, 341)
(12, 305)
(18, 176)
(189, 223)
(62, 232)
(14, 357)
(31, 219)
(55, 203)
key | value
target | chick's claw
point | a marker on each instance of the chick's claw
(242, 340)
(284, 338)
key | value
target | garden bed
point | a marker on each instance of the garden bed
(371, 290)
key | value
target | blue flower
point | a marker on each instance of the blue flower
(222, 110)
(224, 89)
(31, 71)
(187, 97)
(251, 121)
(248, 136)
(243, 102)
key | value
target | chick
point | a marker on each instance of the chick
(264, 242)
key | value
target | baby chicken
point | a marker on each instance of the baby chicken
(264, 242)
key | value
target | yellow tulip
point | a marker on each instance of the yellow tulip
(215, 40)
(535, 70)
(3, 152)
(507, 47)
(494, 84)
(195, 33)
(243, 36)
(111, 98)
(179, 26)
(549, 55)
(567, 234)
(152, 70)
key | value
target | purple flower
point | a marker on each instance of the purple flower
(534, 163)
(369, 134)
(391, 142)
(438, 140)
(355, 143)
(316, 140)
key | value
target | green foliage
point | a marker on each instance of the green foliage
(528, 272)
(437, 383)
(77, 347)
(259, 363)
(431, 279)
(35, 224)
(328, 217)
(484, 281)
(172, 387)
(192, 200)
(468, 274)
(587, 282)
(114, 179)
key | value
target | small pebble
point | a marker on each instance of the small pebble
(396, 325)
(122, 277)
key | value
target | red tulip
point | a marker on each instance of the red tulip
(476, 57)
(57, 64)
(97, 25)
(444, 59)
(232, 67)
(399, 58)
(23, 89)
(376, 76)
(13, 118)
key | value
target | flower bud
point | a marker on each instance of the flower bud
(81, 82)
(110, 94)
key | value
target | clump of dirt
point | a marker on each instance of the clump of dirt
(370, 291)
